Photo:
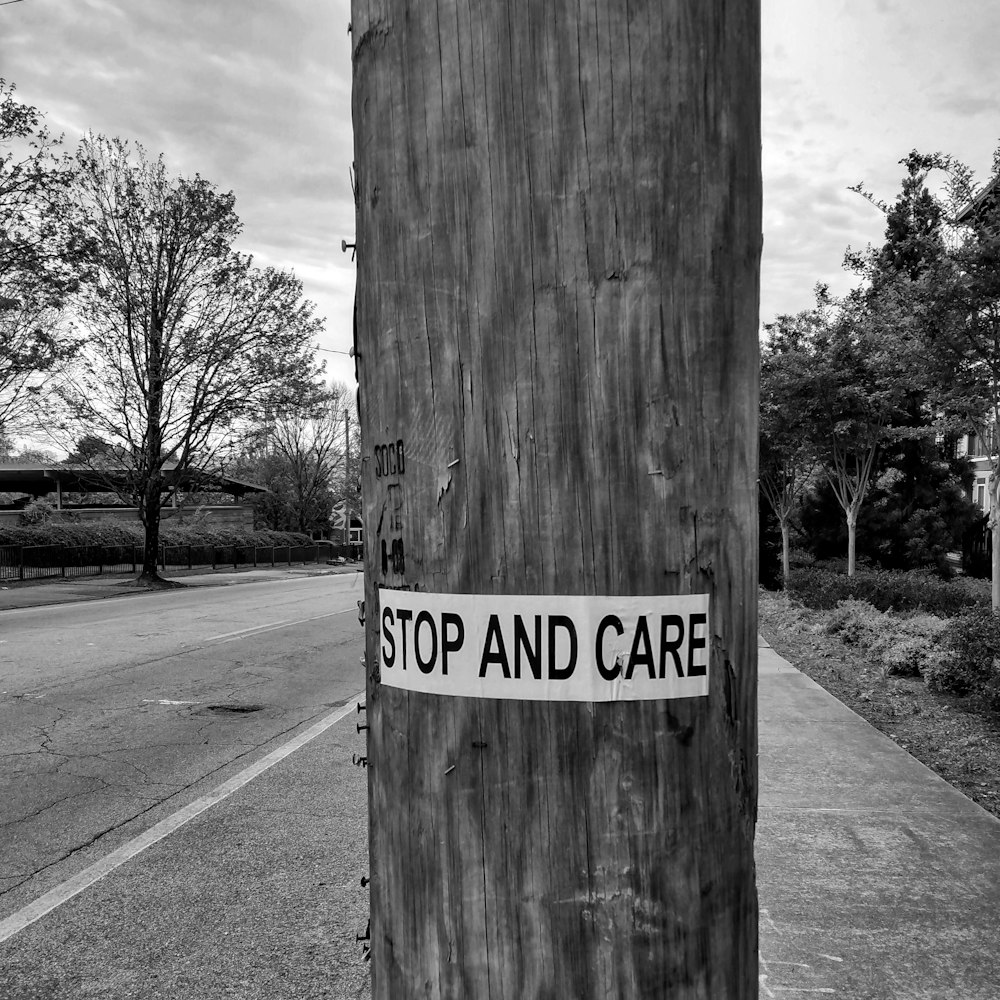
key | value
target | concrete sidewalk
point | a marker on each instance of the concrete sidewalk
(877, 879)
(31, 594)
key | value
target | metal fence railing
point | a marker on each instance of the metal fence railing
(36, 562)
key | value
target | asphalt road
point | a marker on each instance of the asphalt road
(116, 714)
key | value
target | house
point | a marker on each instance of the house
(93, 494)
(988, 194)
(977, 451)
(356, 536)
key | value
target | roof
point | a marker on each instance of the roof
(991, 189)
(39, 480)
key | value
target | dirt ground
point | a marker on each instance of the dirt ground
(946, 733)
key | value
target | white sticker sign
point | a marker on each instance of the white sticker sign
(545, 648)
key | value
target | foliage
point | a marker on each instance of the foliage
(821, 588)
(37, 257)
(839, 385)
(67, 533)
(951, 287)
(973, 664)
(184, 336)
(42, 511)
(908, 645)
(769, 545)
(787, 456)
(58, 532)
(92, 451)
(918, 511)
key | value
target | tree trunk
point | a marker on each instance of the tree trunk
(558, 240)
(152, 485)
(852, 537)
(150, 516)
(785, 544)
(994, 524)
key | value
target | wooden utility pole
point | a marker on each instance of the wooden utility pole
(558, 237)
(347, 481)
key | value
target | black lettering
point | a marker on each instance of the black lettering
(565, 672)
(378, 461)
(608, 621)
(533, 657)
(397, 556)
(385, 558)
(696, 642)
(635, 657)
(388, 656)
(673, 645)
(391, 451)
(403, 616)
(424, 618)
(494, 656)
(399, 451)
(450, 645)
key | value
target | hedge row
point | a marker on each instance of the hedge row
(122, 533)
(888, 589)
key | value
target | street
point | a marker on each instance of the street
(115, 715)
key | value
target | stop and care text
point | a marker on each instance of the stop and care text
(545, 648)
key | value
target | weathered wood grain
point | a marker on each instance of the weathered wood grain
(558, 212)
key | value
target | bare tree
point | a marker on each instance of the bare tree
(184, 336)
(305, 447)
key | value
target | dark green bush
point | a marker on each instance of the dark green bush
(884, 589)
(80, 533)
(55, 532)
(973, 664)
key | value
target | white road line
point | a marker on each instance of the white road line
(258, 629)
(84, 880)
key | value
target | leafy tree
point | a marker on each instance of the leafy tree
(916, 512)
(852, 397)
(914, 233)
(184, 336)
(37, 257)
(788, 458)
(957, 304)
(91, 450)
(908, 521)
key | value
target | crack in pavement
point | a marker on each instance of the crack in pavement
(28, 817)
(66, 855)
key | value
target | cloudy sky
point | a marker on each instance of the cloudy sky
(255, 97)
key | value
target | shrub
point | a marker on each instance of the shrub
(65, 533)
(55, 532)
(915, 590)
(912, 646)
(856, 622)
(906, 645)
(39, 511)
(972, 663)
